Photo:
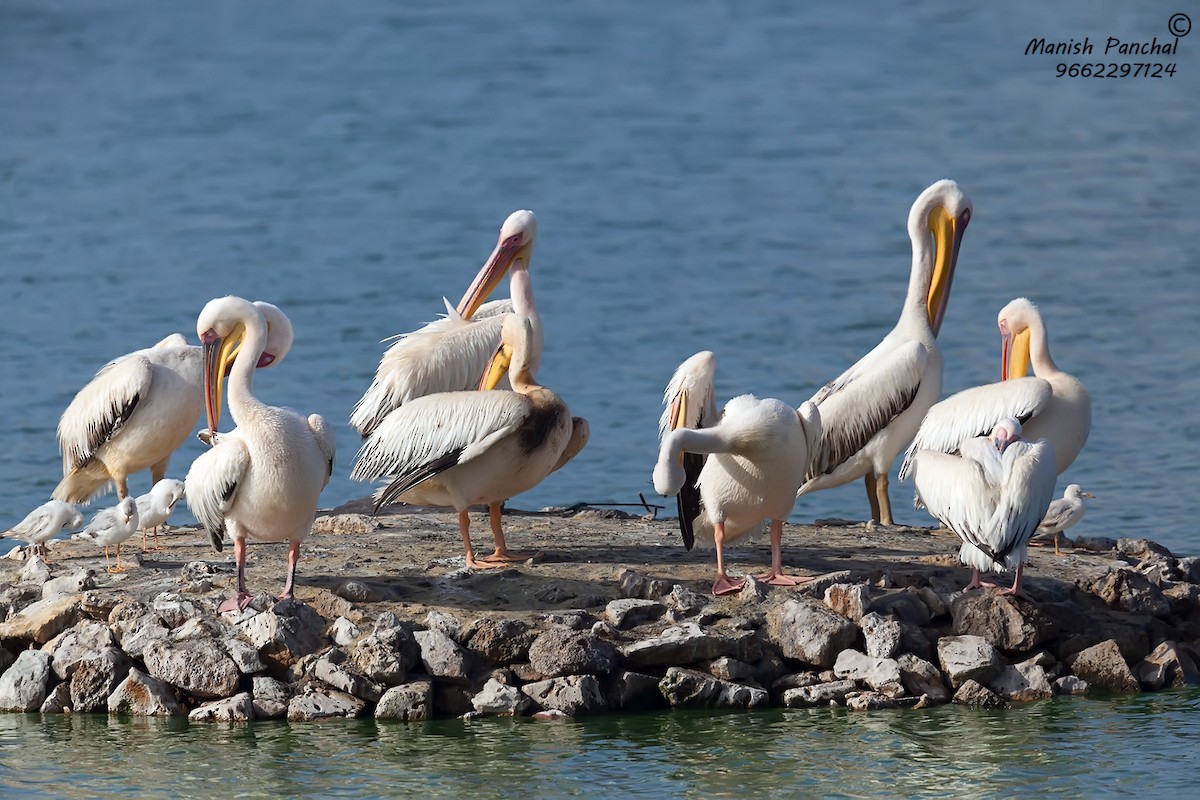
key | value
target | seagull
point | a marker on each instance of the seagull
(41, 524)
(113, 526)
(1063, 513)
(155, 507)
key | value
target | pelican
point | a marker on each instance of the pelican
(138, 410)
(262, 479)
(155, 507)
(111, 527)
(759, 453)
(459, 449)
(993, 493)
(870, 411)
(1053, 405)
(40, 525)
(450, 354)
(1063, 513)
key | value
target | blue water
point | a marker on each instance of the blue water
(719, 175)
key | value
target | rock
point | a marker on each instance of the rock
(285, 633)
(904, 604)
(972, 693)
(200, 667)
(332, 670)
(809, 632)
(175, 609)
(1167, 666)
(345, 523)
(965, 658)
(143, 696)
(244, 656)
(343, 631)
(635, 585)
(14, 599)
(76, 582)
(769, 667)
(1131, 592)
(1095, 544)
(445, 624)
(195, 572)
(1022, 683)
(1183, 597)
(628, 612)
(134, 634)
(239, 708)
(817, 586)
(553, 715)
(410, 701)
(320, 702)
(1103, 667)
(23, 685)
(1140, 548)
(42, 621)
(933, 601)
(848, 600)
(820, 694)
(58, 701)
(198, 628)
(452, 700)
(387, 653)
(633, 691)
(1189, 569)
(1011, 625)
(869, 701)
(882, 635)
(499, 699)
(270, 698)
(796, 680)
(919, 677)
(1070, 684)
(683, 644)
(358, 592)
(501, 641)
(574, 695)
(35, 571)
(921, 642)
(684, 600)
(72, 646)
(442, 656)
(728, 669)
(94, 680)
(753, 592)
(881, 674)
(689, 688)
(556, 653)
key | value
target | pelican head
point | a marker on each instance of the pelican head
(514, 246)
(221, 327)
(279, 334)
(514, 353)
(1014, 321)
(1007, 431)
(1075, 491)
(943, 212)
(688, 399)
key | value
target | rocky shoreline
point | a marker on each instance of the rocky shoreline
(613, 615)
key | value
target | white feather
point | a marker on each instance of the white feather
(41, 524)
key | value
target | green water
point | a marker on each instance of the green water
(1068, 747)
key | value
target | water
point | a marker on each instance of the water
(729, 178)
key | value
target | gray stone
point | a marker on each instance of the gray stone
(343, 631)
(500, 699)
(198, 628)
(689, 688)
(445, 624)
(332, 669)
(633, 691)
(35, 571)
(684, 600)
(270, 698)
(922, 678)
(200, 667)
(345, 523)
(574, 695)
(933, 601)
(1131, 592)
(1022, 683)
(635, 585)
(134, 626)
(358, 592)
(729, 669)
(442, 656)
(869, 701)
(769, 667)
(23, 685)
(817, 586)
(807, 631)
(410, 702)
(1009, 624)
(682, 644)
(143, 696)
(975, 694)
(387, 653)
(795, 680)
(320, 702)
(850, 600)
(1140, 548)
(452, 700)
(42, 621)
(1095, 544)
(628, 612)
(965, 658)
(239, 708)
(881, 674)
(753, 592)
(501, 641)
(819, 694)
(1103, 667)
(1070, 684)
(82, 642)
(285, 633)
(1189, 569)
(58, 701)
(244, 656)
(94, 680)
(175, 609)
(1167, 666)
(882, 635)
(73, 583)
(905, 604)
(556, 653)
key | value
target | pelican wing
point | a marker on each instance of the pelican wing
(174, 340)
(102, 407)
(1024, 496)
(974, 412)
(810, 423)
(957, 492)
(862, 402)
(690, 389)
(580, 433)
(324, 436)
(447, 355)
(212, 483)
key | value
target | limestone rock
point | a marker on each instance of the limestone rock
(499, 699)
(442, 656)
(933, 601)
(1070, 684)
(23, 685)
(175, 609)
(920, 677)
(58, 701)
(198, 628)
(343, 632)
(809, 632)
(79, 643)
(134, 634)
(387, 653)
(689, 688)
(633, 691)
(285, 633)
(1140, 548)
(94, 680)
(574, 695)
(556, 653)
(1131, 592)
(904, 604)
(270, 698)
(410, 701)
(42, 621)
(35, 571)
(345, 523)
(239, 708)
(358, 592)
(869, 701)
(1095, 544)
(200, 667)
(729, 669)
(972, 693)
(452, 700)
(820, 694)
(627, 612)
(75, 582)
(1009, 624)
(445, 624)
(769, 667)
(881, 674)
(244, 656)
(636, 585)
(966, 658)
(321, 702)
(1167, 666)
(882, 635)
(1022, 683)
(684, 600)
(1103, 667)
(501, 641)
(143, 696)
(848, 599)
(333, 670)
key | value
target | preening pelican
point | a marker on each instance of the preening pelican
(450, 354)
(463, 448)
(992, 493)
(1053, 405)
(155, 507)
(870, 411)
(758, 452)
(139, 409)
(262, 479)
(1063, 513)
(40, 525)
(111, 527)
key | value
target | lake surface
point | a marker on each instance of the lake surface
(710, 176)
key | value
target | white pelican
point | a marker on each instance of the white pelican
(759, 451)
(155, 507)
(261, 479)
(138, 410)
(1063, 513)
(870, 411)
(992, 493)
(459, 449)
(112, 526)
(40, 525)
(1053, 405)
(450, 354)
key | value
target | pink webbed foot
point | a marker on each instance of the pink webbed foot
(238, 602)
(779, 579)
(724, 586)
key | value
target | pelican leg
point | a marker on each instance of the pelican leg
(977, 582)
(775, 576)
(723, 584)
(464, 530)
(293, 559)
(159, 471)
(1015, 589)
(872, 494)
(242, 599)
(122, 489)
(884, 502)
(501, 553)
